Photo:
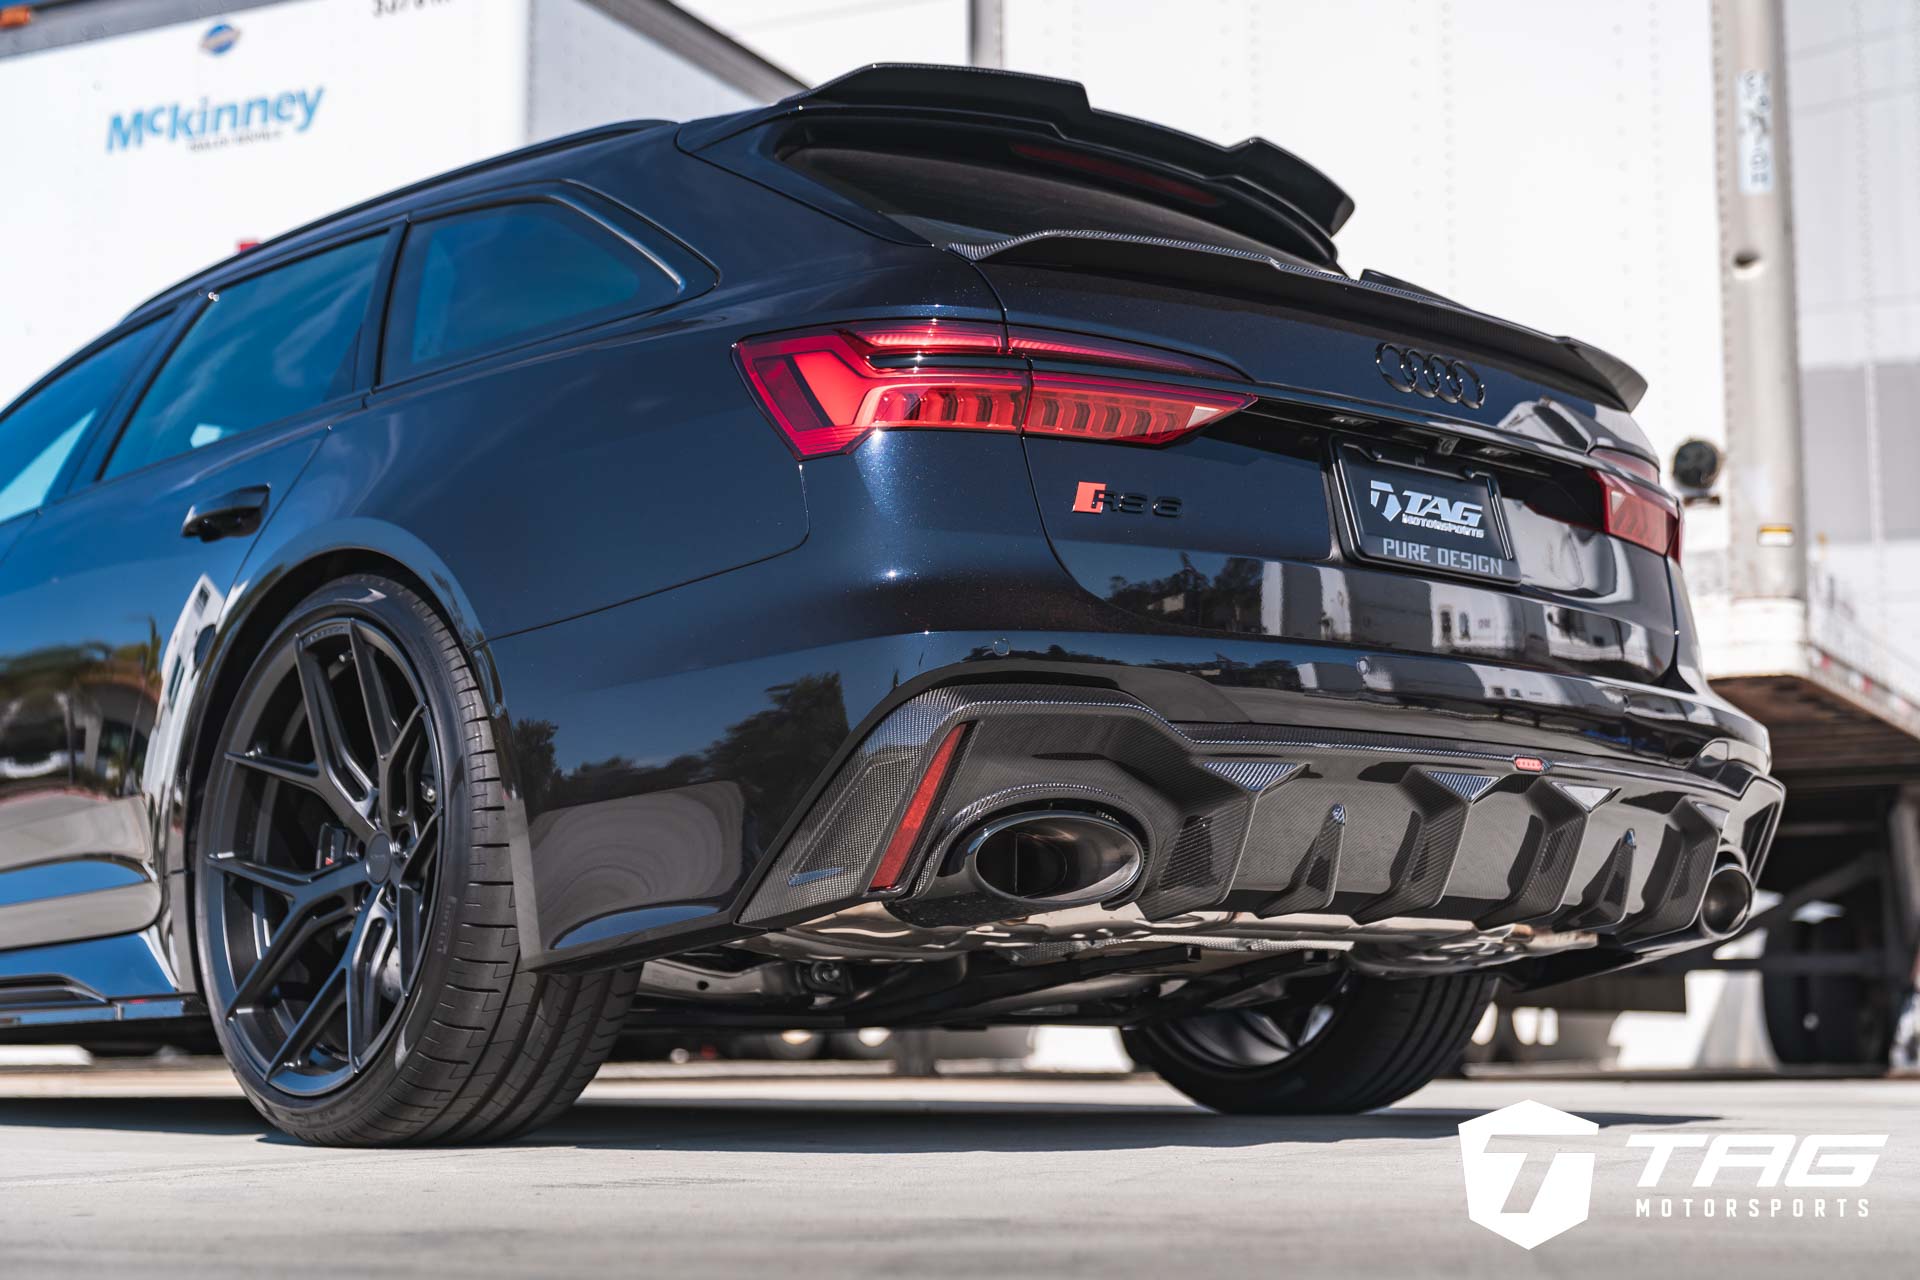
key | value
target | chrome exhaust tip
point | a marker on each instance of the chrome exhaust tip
(1054, 857)
(1727, 902)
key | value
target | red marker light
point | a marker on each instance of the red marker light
(893, 863)
(1530, 764)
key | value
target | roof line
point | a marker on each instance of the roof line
(680, 32)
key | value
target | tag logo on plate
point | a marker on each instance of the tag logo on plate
(1427, 510)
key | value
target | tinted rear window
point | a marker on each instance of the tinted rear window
(1026, 188)
(491, 278)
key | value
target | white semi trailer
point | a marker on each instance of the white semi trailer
(148, 138)
(1724, 192)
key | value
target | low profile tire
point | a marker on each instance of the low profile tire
(1361, 1044)
(353, 896)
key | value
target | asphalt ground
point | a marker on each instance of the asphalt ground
(665, 1172)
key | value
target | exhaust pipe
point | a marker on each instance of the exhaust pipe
(1026, 862)
(1727, 902)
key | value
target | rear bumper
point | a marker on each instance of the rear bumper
(1297, 823)
(670, 750)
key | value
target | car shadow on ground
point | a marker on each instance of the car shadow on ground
(691, 1123)
(216, 1116)
(793, 1125)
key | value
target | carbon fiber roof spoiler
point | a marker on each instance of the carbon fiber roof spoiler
(1061, 104)
(1374, 299)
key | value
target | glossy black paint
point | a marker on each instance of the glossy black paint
(682, 630)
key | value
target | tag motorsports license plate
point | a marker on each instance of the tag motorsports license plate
(1426, 519)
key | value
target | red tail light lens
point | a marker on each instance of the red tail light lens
(1122, 412)
(1051, 344)
(893, 863)
(828, 389)
(1640, 513)
(825, 395)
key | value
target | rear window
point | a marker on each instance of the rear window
(495, 277)
(1017, 188)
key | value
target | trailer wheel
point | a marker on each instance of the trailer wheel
(1832, 1019)
(1784, 998)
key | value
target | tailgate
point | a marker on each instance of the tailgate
(1369, 497)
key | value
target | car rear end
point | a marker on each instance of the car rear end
(1418, 558)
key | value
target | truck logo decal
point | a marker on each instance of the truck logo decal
(1427, 511)
(206, 124)
(220, 37)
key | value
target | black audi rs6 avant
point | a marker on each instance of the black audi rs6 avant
(926, 553)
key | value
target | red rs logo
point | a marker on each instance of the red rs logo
(1089, 496)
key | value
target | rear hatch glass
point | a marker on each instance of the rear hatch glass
(975, 189)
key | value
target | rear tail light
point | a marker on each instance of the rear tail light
(893, 863)
(1052, 344)
(1643, 514)
(1122, 412)
(828, 389)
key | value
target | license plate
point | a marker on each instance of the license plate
(1426, 519)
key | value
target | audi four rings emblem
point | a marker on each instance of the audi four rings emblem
(1435, 377)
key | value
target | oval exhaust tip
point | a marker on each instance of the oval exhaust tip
(1055, 857)
(1728, 900)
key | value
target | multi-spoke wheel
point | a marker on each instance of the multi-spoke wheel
(1346, 1045)
(325, 865)
(356, 922)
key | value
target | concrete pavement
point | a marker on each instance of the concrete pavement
(162, 1173)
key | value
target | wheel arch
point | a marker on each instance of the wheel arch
(271, 585)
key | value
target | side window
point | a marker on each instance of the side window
(264, 348)
(494, 277)
(41, 432)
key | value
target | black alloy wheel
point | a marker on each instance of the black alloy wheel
(354, 900)
(325, 859)
(1350, 1044)
(1244, 1039)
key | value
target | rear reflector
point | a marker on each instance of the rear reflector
(828, 389)
(893, 863)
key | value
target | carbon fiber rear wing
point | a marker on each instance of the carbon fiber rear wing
(1254, 167)
(1373, 299)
